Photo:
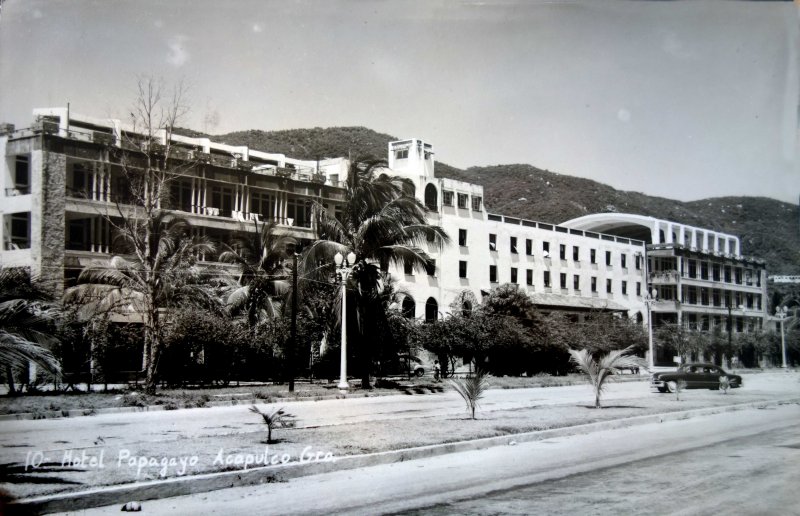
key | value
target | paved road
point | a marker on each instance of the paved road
(742, 462)
(756, 474)
(130, 429)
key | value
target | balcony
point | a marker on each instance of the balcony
(18, 190)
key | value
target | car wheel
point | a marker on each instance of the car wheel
(672, 386)
(419, 372)
(662, 389)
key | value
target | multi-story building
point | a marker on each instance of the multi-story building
(62, 183)
(697, 278)
(560, 268)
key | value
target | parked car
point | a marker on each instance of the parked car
(696, 376)
(403, 365)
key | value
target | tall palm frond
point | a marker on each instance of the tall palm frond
(599, 371)
(260, 256)
(26, 323)
(383, 225)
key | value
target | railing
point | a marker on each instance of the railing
(18, 190)
(561, 229)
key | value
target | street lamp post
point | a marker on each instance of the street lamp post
(782, 313)
(730, 328)
(649, 299)
(345, 266)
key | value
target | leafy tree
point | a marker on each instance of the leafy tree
(382, 224)
(26, 325)
(598, 371)
(681, 341)
(202, 346)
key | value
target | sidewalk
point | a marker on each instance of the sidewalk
(104, 459)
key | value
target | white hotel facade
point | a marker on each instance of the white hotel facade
(61, 178)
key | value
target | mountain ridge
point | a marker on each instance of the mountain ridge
(768, 229)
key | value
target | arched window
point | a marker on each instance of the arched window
(639, 318)
(431, 198)
(466, 308)
(409, 307)
(431, 310)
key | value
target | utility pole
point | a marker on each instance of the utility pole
(293, 345)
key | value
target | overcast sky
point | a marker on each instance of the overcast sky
(682, 99)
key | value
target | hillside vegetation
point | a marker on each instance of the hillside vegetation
(768, 229)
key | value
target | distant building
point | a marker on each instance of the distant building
(699, 277)
(61, 180)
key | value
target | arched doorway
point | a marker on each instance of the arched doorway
(431, 310)
(431, 197)
(409, 307)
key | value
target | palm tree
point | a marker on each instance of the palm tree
(159, 273)
(26, 325)
(598, 371)
(382, 224)
(260, 256)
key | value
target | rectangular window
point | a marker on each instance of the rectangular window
(462, 201)
(493, 273)
(576, 282)
(608, 286)
(594, 284)
(623, 260)
(737, 274)
(528, 246)
(638, 262)
(563, 279)
(592, 256)
(492, 242)
(608, 258)
(727, 274)
(477, 203)
(704, 270)
(529, 276)
(462, 237)
(401, 154)
(576, 253)
(20, 230)
(408, 269)
(562, 252)
(513, 245)
(692, 269)
(545, 247)
(222, 199)
(462, 269)
(638, 288)
(262, 204)
(624, 288)
(22, 175)
(447, 198)
(431, 267)
(547, 279)
(513, 274)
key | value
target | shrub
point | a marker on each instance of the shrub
(471, 389)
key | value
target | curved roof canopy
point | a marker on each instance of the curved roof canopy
(657, 231)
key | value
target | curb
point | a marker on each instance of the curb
(172, 487)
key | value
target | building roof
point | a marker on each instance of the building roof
(577, 303)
